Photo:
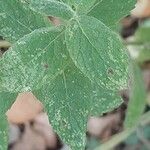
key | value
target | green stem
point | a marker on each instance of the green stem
(117, 139)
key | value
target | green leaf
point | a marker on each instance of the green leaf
(52, 8)
(70, 98)
(142, 35)
(141, 42)
(97, 52)
(111, 11)
(137, 99)
(17, 20)
(6, 100)
(3, 133)
(41, 58)
(144, 55)
(28, 63)
(81, 6)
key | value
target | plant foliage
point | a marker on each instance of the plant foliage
(76, 69)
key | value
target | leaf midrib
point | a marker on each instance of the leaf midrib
(93, 7)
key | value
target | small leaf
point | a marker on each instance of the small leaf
(137, 99)
(111, 11)
(28, 63)
(18, 20)
(97, 52)
(70, 98)
(52, 8)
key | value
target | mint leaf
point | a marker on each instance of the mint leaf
(111, 11)
(52, 8)
(28, 63)
(70, 98)
(18, 20)
(97, 52)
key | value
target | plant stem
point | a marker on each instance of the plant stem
(116, 139)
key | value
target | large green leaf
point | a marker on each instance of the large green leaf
(111, 11)
(137, 99)
(70, 98)
(71, 93)
(97, 52)
(41, 57)
(30, 60)
(17, 20)
(52, 8)
(3, 133)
